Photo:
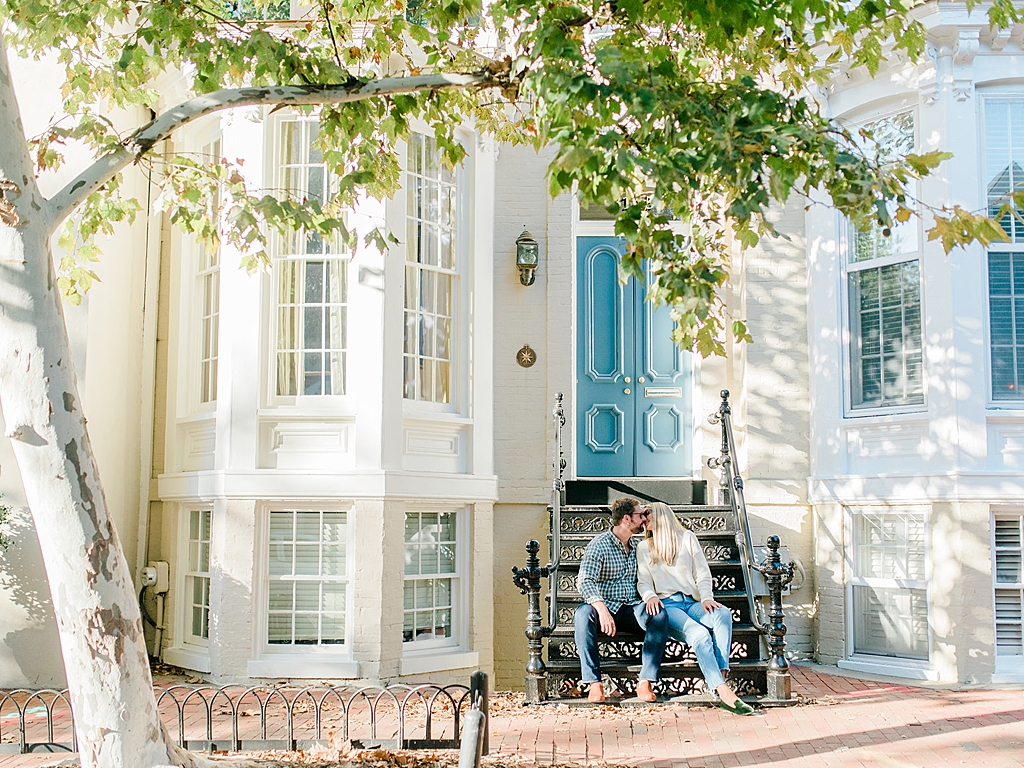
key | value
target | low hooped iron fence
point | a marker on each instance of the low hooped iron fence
(210, 718)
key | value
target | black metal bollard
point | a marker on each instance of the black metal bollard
(479, 695)
(528, 581)
(777, 575)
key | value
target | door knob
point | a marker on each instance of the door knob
(640, 379)
(625, 391)
(627, 379)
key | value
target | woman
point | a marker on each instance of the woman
(672, 573)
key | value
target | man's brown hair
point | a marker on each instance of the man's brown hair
(622, 507)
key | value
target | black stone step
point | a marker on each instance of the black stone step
(670, 490)
(564, 632)
(747, 678)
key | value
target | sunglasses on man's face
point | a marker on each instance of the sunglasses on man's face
(643, 513)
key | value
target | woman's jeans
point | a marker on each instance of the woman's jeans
(709, 633)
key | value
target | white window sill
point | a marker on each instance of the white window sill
(1009, 669)
(302, 666)
(197, 659)
(890, 667)
(421, 663)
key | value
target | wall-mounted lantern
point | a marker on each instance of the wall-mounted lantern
(527, 257)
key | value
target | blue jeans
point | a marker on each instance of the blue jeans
(629, 618)
(709, 633)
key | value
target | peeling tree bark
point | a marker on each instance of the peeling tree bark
(90, 584)
(91, 587)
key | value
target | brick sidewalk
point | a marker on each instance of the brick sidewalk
(851, 723)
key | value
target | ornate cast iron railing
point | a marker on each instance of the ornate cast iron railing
(558, 467)
(732, 487)
(776, 573)
(528, 578)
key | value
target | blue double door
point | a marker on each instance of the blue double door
(633, 384)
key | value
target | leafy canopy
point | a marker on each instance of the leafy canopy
(692, 110)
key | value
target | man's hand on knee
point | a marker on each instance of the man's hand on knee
(604, 618)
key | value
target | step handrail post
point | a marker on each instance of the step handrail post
(528, 581)
(777, 575)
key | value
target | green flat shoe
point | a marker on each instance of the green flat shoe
(739, 708)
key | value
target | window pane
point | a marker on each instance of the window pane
(1006, 323)
(432, 258)
(886, 140)
(891, 622)
(308, 594)
(430, 550)
(312, 292)
(885, 321)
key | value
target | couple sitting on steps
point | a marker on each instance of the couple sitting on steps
(660, 588)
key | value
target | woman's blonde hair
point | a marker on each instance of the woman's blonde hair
(663, 534)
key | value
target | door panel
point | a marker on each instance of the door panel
(663, 410)
(607, 424)
(633, 396)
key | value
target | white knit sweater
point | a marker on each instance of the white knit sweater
(689, 573)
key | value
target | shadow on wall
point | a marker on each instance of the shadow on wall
(36, 647)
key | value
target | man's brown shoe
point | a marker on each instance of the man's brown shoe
(644, 692)
(596, 695)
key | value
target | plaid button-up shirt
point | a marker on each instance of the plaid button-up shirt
(608, 572)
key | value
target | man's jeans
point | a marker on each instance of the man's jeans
(629, 618)
(709, 633)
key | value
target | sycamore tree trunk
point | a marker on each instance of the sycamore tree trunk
(91, 587)
(90, 583)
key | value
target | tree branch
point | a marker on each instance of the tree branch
(139, 143)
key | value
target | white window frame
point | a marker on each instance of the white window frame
(898, 666)
(462, 279)
(1009, 668)
(201, 272)
(991, 402)
(188, 637)
(272, 156)
(273, 660)
(450, 652)
(849, 266)
(188, 651)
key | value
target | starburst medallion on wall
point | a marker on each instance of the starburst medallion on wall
(526, 356)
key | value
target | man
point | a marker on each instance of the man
(607, 582)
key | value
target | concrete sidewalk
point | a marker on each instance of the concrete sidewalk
(845, 721)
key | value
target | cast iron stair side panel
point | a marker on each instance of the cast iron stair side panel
(716, 530)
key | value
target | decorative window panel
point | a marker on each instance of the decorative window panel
(431, 577)
(208, 287)
(1009, 584)
(888, 586)
(311, 275)
(884, 293)
(431, 274)
(1004, 159)
(308, 582)
(197, 576)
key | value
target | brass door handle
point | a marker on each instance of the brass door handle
(640, 379)
(627, 379)
(625, 391)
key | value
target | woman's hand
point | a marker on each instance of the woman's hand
(654, 606)
(711, 605)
